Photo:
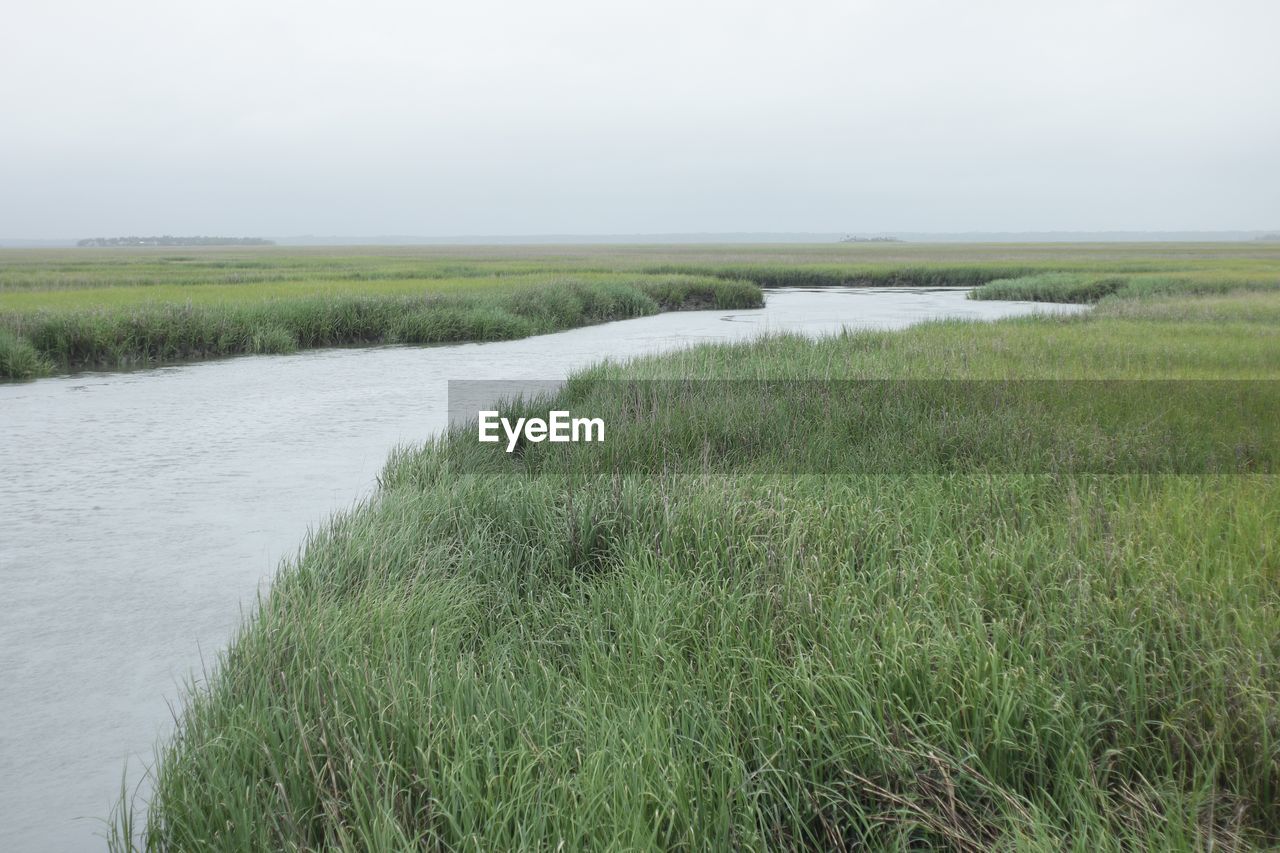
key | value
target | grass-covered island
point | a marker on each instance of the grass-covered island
(701, 647)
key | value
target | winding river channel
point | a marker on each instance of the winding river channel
(141, 513)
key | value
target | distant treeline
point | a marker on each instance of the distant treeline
(166, 240)
(854, 239)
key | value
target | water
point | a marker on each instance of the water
(141, 511)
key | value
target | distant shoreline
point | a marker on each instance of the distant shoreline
(1242, 236)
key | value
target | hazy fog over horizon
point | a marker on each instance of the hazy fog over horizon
(568, 117)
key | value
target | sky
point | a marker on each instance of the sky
(382, 117)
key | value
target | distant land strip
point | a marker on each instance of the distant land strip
(166, 240)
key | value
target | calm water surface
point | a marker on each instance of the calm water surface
(140, 513)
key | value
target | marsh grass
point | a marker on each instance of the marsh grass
(1052, 287)
(19, 359)
(153, 332)
(1093, 287)
(924, 647)
(704, 656)
(120, 307)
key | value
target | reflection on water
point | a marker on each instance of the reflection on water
(140, 511)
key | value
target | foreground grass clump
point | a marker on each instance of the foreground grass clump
(148, 332)
(500, 654)
(18, 358)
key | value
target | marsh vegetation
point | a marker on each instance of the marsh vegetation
(87, 308)
(699, 649)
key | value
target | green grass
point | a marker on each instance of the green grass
(125, 297)
(125, 327)
(698, 652)
(1093, 287)
(1052, 287)
(124, 307)
(1029, 612)
(18, 358)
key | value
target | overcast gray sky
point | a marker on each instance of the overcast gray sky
(262, 117)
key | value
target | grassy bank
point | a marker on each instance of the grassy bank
(501, 652)
(1094, 286)
(115, 327)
